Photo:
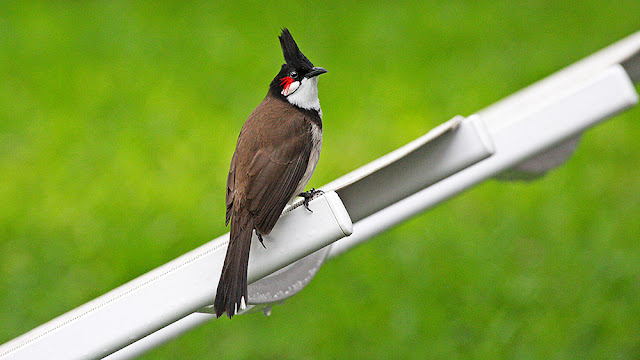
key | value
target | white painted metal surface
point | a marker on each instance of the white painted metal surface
(445, 150)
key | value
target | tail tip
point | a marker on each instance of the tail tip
(231, 307)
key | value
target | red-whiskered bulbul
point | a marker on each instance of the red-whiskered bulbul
(276, 154)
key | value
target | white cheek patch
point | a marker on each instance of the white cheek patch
(307, 96)
(291, 88)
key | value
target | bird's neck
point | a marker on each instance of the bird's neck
(306, 96)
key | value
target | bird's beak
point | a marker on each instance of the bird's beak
(315, 72)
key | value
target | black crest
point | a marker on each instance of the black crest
(292, 54)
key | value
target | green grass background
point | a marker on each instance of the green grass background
(118, 120)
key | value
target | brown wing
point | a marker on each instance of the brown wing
(274, 176)
(271, 158)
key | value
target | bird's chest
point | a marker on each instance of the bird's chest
(314, 156)
(316, 140)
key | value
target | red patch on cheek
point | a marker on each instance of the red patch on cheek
(286, 82)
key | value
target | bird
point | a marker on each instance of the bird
(276, 153)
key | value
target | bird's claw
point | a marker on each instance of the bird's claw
(308, 195)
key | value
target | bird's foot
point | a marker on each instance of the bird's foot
(308, 195)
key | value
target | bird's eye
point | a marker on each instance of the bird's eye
(293, 74)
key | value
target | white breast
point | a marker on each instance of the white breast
(316, 138)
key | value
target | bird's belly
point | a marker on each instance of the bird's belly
(316, 138)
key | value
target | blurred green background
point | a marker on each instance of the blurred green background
(118, 120)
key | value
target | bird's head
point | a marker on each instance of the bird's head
(297, 80)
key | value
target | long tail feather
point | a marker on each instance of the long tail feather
(231, 295)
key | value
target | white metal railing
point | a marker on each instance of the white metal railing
(521, 136)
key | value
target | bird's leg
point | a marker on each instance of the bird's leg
(308, 195)
(260, 239)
